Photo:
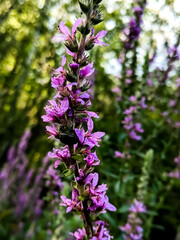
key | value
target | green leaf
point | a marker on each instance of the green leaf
(84, 8)
(66, 173)
(78, 157)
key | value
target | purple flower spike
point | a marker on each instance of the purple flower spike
(71, 122)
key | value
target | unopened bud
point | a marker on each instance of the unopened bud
(84, 8)
(89, 44)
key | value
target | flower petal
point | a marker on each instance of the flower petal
(101, 34)
(80, 134)
(76, 24)
(90, 125)
(64, 29)
(59, 38)
(63, 60)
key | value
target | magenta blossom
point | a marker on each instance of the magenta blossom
(96, 38)
(88, 138)
(52, 131)
(71, 204)
(62, 155)
(55, 110)
(137, 207)
(65, 33)
(92, 159)
(119, 154)
(79, 234)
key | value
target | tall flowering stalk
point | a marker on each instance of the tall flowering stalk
(71, 123)
(133, 229)
(25, 200)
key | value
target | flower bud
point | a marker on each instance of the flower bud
(84, 30)
(84, 8)
(89, 45)
(71, 77)
(96, 1)
(71, 45)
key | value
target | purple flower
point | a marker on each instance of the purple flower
(175, 174)
(130, 110)
(91, 114)
(133, 135)
(172, 103)
(149, 82)
(178, 82)
(87, 71)
(129, 72)
(88, 138)
(137, 207)
(119, 154)
(116, 90)
(24, 141)
(100, 231)
(100, 201)
(92, 159)
(71, 204)
(63, 155)
(138, 127)
(79, 234)
(65, 33)
(55, 111)
(132, 98)
(143, 104)
(52, 131)
(128, 81)
(99, 35)
(126, 228)
(74, 66)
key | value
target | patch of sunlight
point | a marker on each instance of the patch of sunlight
(110, 24)
(27, 87)
(177, 6)
(41, 4)
(22, 101)
(6, 107)
(13, 22)
(8, 64)
(43, 80)
(155, 5)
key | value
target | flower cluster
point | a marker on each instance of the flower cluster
(132, 229)
(100, 232)
(71, 122)
(133, 28)
(132, 127)
(130, 123)
(176, 172)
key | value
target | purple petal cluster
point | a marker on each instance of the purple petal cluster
(100, 232)
(176, 172)
(133, 128)
(133, 28)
